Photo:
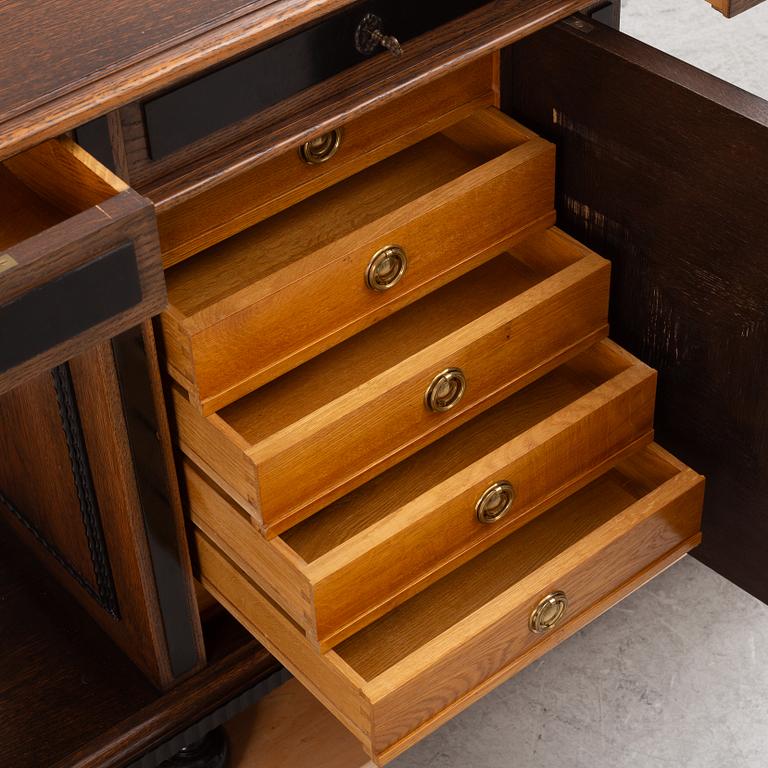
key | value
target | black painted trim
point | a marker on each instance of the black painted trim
(86, 494)
(95, 139)
(153, 487)
(104, 590)
(66, 307)
(279, 70)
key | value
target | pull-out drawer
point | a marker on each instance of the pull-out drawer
(402, 676)
(304, 440)
(368, 552)
(79, 258)
(270, 298)
(194, 214)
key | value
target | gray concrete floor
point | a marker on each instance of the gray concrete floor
(735, 49)
(677, 674)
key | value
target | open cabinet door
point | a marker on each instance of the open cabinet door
(664, 170)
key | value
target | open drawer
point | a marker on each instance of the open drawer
(194, 214)
(79, 258)
(262, 302)
(398, 679)
(371, 550)
(300, 442)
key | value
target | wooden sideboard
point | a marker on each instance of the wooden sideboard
(287, 314)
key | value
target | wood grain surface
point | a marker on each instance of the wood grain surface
(370, 551)
(70, 698)
(67, 68)
(664, 170)
(267, 735)
(41, 472)
(66, 211)
(264, 301)
(423, 662)
(345, 416)
(237, 199)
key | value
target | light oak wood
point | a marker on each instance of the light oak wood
(731, 8)
(241, 198)
(370, 551)
(270, 298)
(65, 175)
(46, 185)
(289, 728)
(400, 677)
(304, 440)
(62, 210)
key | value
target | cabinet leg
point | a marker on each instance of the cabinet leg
(212, 751)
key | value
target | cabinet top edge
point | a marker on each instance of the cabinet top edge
(63, 63)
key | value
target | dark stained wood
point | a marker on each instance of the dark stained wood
(342, 98)
(188, 703)
(731, 8)
(69, 697)
(61, 68)
(74, 243)
(62, 682)
(67, 68)
(40, 476)
(62, 309)
(664, 170)
(33, 445)
(151, 464)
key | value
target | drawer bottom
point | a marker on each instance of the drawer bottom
(395, 681)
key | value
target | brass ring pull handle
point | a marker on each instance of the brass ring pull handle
(446, 389)
(495, 502)
(322, 148)
(369, 37)
(386, 268)
(548, 613)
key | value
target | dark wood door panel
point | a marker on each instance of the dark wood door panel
(43, 481)
(85, 483)
(664, 170)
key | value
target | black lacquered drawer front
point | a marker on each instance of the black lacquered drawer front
(276, 72)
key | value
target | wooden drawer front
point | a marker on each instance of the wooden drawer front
(304, 440)
(264, 301)
(398, 679)
(731, 8)
(79, 258)
(279, 70)
(205, 212)
(371, 550)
